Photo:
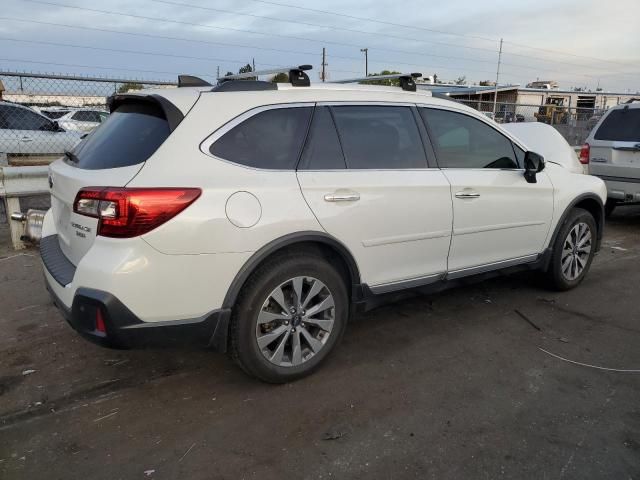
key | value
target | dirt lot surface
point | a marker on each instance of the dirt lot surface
(454, 385)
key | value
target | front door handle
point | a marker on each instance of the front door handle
(467, 195)
(27, 139)
(342, 196)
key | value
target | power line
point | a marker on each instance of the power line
(332, 27)
(237, 45)
(331, 42)
(558, 52)
(443, 32)
(382, 22)
(137, 52)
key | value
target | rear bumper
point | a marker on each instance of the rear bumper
(622, 189)
(124, 330)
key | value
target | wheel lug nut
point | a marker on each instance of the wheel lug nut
(286, 322)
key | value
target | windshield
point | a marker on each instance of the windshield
(130, 135)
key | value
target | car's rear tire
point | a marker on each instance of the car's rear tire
(573, 250)
(290, 315)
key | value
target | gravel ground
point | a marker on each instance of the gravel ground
(462, 384)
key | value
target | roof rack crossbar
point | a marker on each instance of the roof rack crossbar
(297, 77)
(407, 81)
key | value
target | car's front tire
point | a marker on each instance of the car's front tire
(573, 250)
(290, 315)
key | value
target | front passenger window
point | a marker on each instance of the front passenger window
(462, 141)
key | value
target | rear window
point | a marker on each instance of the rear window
(130, 135)
(621, 125)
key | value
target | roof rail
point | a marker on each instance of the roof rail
(191, 81)
(406, 80)
(297, 77)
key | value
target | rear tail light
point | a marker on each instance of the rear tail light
(585, 151)
(129, 212)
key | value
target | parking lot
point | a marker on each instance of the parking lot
(461, 384)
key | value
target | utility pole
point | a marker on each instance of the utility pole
(366, 61)
(495, 93)
(218, 72)
(323, 76)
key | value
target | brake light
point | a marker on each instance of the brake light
(129, 212)
(585, 152)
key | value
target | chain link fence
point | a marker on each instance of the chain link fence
(42, 116)
(573, 123)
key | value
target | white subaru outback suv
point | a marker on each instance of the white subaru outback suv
(256, 218)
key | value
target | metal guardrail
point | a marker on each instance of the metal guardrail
(17, 182)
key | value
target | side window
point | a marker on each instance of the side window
(322, 150)
(23, 119)
(4, 118)
(379, 137)
(270, 139)
(85, 116)
(462, 141)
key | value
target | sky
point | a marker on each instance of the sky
(579, 43)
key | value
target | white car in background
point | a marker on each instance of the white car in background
(257, 218)
(25, 132)
(78, 120)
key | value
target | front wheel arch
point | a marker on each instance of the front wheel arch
(592, 204)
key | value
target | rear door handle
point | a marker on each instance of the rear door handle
(27, 139)
(342, 197)
(467, 195)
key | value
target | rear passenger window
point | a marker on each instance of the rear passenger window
(379, 137)
(622, 125)
(462, 141)
(271, 139)
(322, 150)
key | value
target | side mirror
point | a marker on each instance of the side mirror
(533, 163)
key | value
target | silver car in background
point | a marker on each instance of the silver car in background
(27, 133)
(612, 151)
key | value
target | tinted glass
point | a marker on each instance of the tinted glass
(53, 114)
(24, 119)
(131, 134)
(322, 150)
(271, 139)
(5, 114)
(462, 141)
(622, 125)
(379, 137)
(85, 116)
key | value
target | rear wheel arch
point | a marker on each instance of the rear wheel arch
(312, 242)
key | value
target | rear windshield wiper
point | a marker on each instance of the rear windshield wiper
(71, 156)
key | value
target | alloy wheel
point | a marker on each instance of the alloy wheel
(576, 250)
(295, 321)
